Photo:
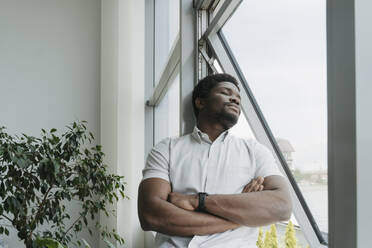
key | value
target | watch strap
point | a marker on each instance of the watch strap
(202, 196)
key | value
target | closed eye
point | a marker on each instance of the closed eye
(225, 92)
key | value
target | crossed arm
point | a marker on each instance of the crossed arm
(174, 214)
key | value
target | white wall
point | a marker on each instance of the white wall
(122, 106)
(49, 67)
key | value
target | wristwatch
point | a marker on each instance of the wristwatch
(202, 197)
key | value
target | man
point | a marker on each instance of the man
(209, 188)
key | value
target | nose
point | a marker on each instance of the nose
(235, 99)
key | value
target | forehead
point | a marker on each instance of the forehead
(228, 85)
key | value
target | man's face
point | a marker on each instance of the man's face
(223, 103)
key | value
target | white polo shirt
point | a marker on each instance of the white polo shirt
(192, 164)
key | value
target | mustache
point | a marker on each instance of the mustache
(232, 104)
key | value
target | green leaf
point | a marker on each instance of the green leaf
(22, 163)
(38, 175)
(109, 244)
(86, 244)
(49, 243)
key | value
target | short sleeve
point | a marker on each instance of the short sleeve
(265, 162)
(157, 163)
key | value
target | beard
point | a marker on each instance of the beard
(227, 119)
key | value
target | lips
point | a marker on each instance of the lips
(233, 106)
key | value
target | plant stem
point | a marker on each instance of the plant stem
(6, 217)
(39, 212)
(72, 225)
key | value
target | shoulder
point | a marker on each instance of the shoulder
(249, 143)
(163, 145)
(169, 142)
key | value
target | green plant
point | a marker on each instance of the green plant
(48, 243)
(52, 243)
(38, 176)
(274, 237)
(267, 241)
(271, 239)
(290, 236)
(260, 243)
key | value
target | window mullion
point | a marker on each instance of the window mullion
(224, 13)
(202, 25)
(209, 60)
(168, 75)
(202, 4)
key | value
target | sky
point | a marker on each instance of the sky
(280, 46)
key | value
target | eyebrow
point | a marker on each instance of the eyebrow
(231, 90)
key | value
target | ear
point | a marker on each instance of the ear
(199, 103)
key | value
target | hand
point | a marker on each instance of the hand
(255, 185)
(187, 202)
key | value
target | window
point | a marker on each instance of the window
(276, 49)
(162, 81)
(280, 62)
(282, 55)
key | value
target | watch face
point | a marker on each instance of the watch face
(202, 196)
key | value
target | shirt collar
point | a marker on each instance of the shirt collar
(200, 136)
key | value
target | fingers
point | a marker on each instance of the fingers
(249, 187)
(260, 180)
(255, 185)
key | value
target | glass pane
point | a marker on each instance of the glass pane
(282, 53)
(174, 109)
(174, 21)
(166, 30)
(167, 114)
(281, 229)
(242, 128)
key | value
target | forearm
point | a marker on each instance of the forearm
(172, 220)
(250, 209)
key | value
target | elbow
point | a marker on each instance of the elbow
(147, 222)
(145, 226)
(285, 211)
(285, 216)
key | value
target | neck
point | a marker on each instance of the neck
(212, 129)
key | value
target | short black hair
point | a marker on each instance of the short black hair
(205, 85)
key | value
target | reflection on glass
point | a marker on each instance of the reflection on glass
(282, 53)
